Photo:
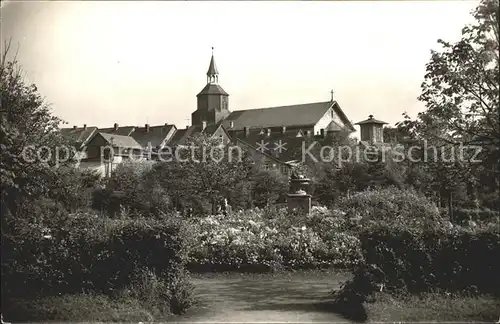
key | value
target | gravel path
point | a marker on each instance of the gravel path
(290, 297)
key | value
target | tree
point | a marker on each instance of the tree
(202, 173)
(26, 120)
(461, 95)
(268, 187)
(462, 82)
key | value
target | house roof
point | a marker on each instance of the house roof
(80, 135)
(261, 152)
(155, 135)
(212, 88)
(289, 116)
(371, 120)
(122, 130)
(291, 141)
(176, 138)
(120, 140)
(181, 135)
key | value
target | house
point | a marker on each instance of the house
(105, 151)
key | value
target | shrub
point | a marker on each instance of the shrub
(490, 200)
(180, 291)
(269, 186)
(462, 215)
(86, 252)
(453, 259)
(170, 294)
(391, 205)
(255, 241)
(141, 192)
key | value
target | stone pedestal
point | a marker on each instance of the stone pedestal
(298, 198)
(299, 203)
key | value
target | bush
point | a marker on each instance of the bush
(86, 252)
(255, 241)
(269, 186)
(172, 294)
(140, 192)
(391, 205)
(452, 259)
(490, 200)
(462, 215)
(180, 291)
(72, 187)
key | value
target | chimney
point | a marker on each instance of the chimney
(115, 126)
(74, 127)
(268, 132)
(187, 126)
(147, 127)
(84, 126)
(283, 130)
(246, 131)
(166, 124)
(231, 124)
(203, 125)
(322, 132)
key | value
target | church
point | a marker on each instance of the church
(273, 136)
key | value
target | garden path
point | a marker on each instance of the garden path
(285, 297)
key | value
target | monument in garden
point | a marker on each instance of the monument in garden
(299, 198)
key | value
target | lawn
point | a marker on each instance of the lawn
(301, 296)
(305, 296)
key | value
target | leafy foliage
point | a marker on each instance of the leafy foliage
(391, 205)
(461, 94)
(451, 259)
(268, 187)
(253, 241)
(204, 172)
(86, 252)
(26, 126)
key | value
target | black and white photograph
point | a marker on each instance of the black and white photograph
(250, 161)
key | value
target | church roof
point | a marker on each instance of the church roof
(212, 68)
(289, 116)
(371, 120)
(212, 88)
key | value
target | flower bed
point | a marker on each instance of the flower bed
(254, 241)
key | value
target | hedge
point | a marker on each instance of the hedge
(85, 252)
(452, 259)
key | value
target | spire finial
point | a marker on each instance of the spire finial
(331, 92)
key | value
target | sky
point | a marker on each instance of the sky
(132, 63)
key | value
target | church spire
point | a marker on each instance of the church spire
(212, 73)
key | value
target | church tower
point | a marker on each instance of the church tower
(212, 100)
